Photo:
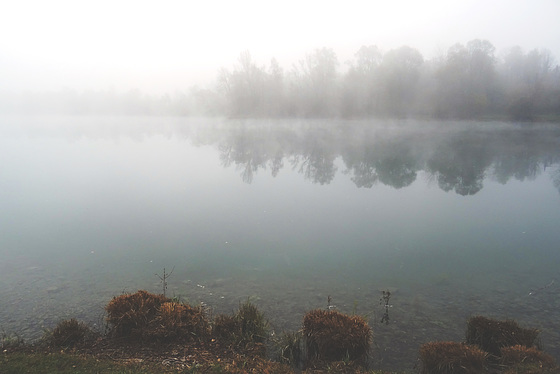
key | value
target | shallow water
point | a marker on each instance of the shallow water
(457, 219)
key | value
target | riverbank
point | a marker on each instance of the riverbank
(149, 333)
(105, 354)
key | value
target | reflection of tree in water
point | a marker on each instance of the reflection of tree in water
(397, 169)
(458, 160)
(249, 160)
(317, 157)
(555, 176)
(277, 163)
(391, 163)
(318, 167)
(460, 165)
(364, 172)
(519, 166)
(251, 150)
(519, 158)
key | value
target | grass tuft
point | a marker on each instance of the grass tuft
(68, 334)
(332, 336)
(492, 335)
(451, 358)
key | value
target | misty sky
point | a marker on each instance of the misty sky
(164, 46)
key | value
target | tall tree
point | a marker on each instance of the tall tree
(360, 92)
(316, 80)
(466, 81)
(530, 84)
(399, 73)
(244, 87)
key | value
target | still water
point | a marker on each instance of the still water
(455, 218)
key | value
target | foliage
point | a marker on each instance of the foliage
(451, 358)
(468, 81)
(332, 336)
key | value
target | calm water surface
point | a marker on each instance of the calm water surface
(457, 219)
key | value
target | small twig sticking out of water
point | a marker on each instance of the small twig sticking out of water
(164, 279)
(385, 300)
(329, 305)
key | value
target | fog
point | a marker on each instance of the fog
(460, 216)
(285, 151)
(170, 46)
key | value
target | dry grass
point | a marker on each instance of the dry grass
(492, 335)
(131, 314)
(290, 348)
(521, 359)
(179, 321)
(332, 336)
(451, 358)
(252, 323)
(155, 317)
(225, 327)
(247, 329)
(69, 333)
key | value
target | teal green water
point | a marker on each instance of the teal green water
(456, 219)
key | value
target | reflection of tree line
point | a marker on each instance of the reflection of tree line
(457, 160)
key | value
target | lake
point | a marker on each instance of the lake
(455, 218)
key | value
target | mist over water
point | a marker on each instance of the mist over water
(457, 218)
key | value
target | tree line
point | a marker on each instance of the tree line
(468, 81)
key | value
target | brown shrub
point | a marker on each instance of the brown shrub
(69, 333)
(492, 335)
(333, 336)
(131, 314)
(179, 321)
(451, 358)
(519, 359)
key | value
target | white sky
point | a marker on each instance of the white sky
(170, 45)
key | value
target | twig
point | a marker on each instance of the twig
(164, 279)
